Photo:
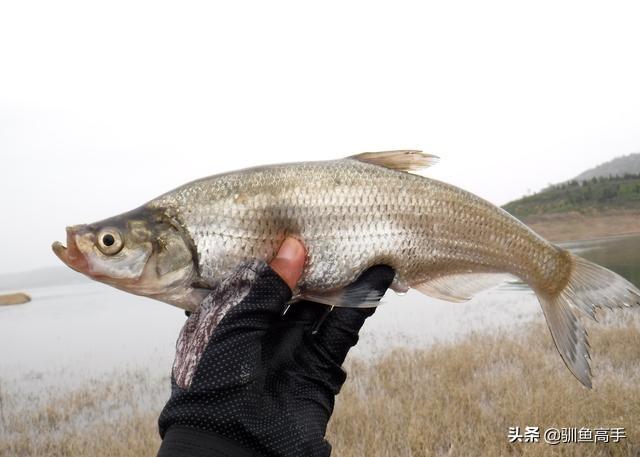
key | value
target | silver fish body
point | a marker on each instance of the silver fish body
(350, 214)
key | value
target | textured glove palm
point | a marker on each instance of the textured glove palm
(255, 378)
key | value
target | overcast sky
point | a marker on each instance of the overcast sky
(104, 105)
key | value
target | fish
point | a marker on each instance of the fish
(350, 214)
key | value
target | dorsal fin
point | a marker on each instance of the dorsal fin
(402, 160)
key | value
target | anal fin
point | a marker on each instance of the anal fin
(461, 287)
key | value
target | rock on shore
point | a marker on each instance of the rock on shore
(14, 299)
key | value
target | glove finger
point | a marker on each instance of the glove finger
(339, 331)
(285, 335)
(306, 313)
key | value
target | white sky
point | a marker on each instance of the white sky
(104, 105)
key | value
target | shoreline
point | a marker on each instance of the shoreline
(492, 381)
(575, 226)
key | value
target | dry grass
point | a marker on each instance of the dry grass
(105, 418)
(450, 400)
(460, 400)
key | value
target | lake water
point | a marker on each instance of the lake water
(80, 329)
(620, 254)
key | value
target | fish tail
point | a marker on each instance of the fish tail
(588, 288)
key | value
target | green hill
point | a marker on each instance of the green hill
(596, 193)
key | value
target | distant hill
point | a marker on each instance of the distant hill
(620, 166)
(595, 193)
(601, 202)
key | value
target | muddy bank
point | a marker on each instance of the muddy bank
(576, 226)
(14, 299)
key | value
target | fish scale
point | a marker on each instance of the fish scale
(350, 214)
(380, 216)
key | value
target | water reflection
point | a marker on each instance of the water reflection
(620, 254)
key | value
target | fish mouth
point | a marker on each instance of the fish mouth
(70, 254)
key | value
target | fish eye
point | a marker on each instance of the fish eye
(110, 241)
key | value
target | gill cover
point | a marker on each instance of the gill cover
(144, 252)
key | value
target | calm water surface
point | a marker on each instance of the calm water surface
(620, 254)
(85, 329)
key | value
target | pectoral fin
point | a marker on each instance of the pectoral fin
(353, 296)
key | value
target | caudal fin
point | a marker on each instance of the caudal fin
(590, 287)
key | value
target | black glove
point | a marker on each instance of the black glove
(248, 381)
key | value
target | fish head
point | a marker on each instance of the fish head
(143, 252)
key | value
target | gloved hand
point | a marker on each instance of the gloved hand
(250, 381)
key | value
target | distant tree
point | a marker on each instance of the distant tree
(588, 193)
(606, 195)
(610, 192)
